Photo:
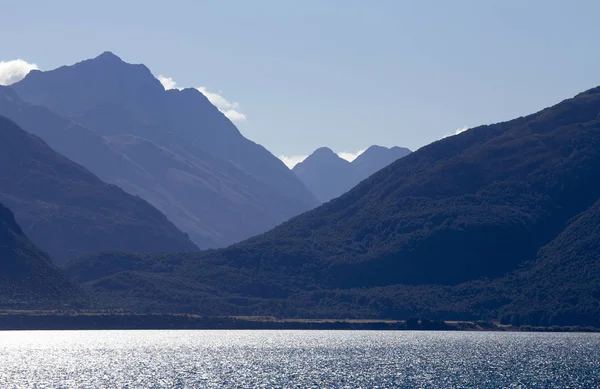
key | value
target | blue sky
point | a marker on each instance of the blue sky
(344, 74)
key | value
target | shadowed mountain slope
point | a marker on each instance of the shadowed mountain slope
(70, 212)
(28, 279)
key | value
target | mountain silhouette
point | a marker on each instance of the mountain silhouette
(376, 158)
(329, 176)
(498, 221)
(68, 211)
(28, 279)
(177, 150)
(326, 174)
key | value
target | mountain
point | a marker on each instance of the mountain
(326, 174)
(376, 158)
(138, 167)
(172, 148)
(329, 176)
(562, 286)
(69, 211)
(28, 279)
(499, 221)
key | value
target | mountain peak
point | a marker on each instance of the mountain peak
(379, 156)
(375, 148)
(322, 155)
(108, 56)
(328, 175)
(323, 151)
(90, 84)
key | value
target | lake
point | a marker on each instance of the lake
(297, 359)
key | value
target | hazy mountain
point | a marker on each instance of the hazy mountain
(376, 158)
(171, 182)
(326, 174)
(513, 202)
(329, 176)
(68, 211)
(28, 279)
(188, 159)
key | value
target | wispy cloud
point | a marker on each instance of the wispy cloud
(14, 71)
(292, 160)
(228, 108)
(458, 131)
(350, 156)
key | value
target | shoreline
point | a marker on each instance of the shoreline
(52, 320)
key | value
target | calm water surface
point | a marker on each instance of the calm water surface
(297, 359)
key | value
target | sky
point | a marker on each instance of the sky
(298, 75)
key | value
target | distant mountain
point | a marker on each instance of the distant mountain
(500, 221)
(173, 148)
(326, 174)
(70, 212)
(28, 279)
(376, 158)
(329, 176)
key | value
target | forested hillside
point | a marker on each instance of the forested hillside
(495, 222)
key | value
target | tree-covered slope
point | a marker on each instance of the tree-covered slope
(445, 213)
(28, 279)
(421, 235)
(562, 286)
(68, 211)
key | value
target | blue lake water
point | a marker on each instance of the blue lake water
(297, 359)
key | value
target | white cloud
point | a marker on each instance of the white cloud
(233, 115)
(458, 131)
(228, 108)
(14, 71)
(167, 82)
(350, 156)
(292, 160)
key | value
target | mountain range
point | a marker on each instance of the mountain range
(172, 148)
(68, 211)
(500, 221)
(328, 175)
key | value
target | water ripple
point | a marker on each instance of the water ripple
(297, 359)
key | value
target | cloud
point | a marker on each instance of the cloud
(458, 131)
(292, 160)
(233, 115)
(228, 108)
(350, 156)
(167, 82)
(14, 71)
